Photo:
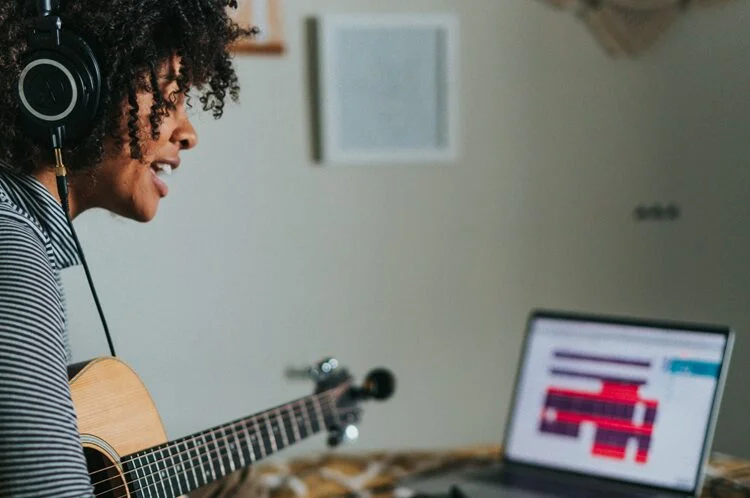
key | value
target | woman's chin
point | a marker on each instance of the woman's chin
(142, 213)
(146, 215)
(145, 218)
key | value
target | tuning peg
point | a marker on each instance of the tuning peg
(299, 373)
(328, 365)
(316, 373)
(379, 384)
(334, 437)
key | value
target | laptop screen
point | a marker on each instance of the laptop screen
(616, 399)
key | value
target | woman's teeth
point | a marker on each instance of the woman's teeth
(163, 168)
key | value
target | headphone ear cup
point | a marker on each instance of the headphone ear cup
(60, 88)
(93, 76)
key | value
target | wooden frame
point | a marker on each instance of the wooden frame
(266, 16)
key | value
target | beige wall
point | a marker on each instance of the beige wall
(261, 259)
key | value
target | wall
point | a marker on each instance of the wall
(261, 259)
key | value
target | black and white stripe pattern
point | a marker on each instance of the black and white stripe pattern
(40, 447)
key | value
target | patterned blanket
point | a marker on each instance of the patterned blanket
(377, 475)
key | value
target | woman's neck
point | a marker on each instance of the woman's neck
(46, 176)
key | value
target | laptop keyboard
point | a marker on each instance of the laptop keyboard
(550, 487)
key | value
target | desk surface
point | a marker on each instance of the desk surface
(338, 474)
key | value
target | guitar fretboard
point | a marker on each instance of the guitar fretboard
(178, 467)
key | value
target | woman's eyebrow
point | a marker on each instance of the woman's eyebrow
(166, 73)
(165, 80)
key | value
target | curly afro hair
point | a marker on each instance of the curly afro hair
(132, 40)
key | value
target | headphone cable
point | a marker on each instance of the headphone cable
(62, 189)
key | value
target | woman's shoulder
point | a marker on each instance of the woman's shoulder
(23, 255)
(14, 220)
(18, 232)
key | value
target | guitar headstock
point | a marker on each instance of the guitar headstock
(331, 377)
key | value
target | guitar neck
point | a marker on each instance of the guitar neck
(178, 467)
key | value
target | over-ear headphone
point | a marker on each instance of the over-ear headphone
(60, 84)
(58, 92)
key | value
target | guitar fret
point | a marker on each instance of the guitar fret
(230, 452)
(293, 422)
(238, 444)
(176, 469)
(182, 474)
(192, 444)
(334, 412)
(205, 473)
(259, 436)
(305, 416)
(135, 470)
(152, 464)
(319, 412)
(249, 442)
(143, 472)
(202, 471)
(280, 424)
(167, 466)
(217, 456)
(311, 416)
(207, 451)
(152, 472)
(188, 468)
(271, 434)
(162, 473)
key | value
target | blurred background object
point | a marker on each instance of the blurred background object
(627, 28)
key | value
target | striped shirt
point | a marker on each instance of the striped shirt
(40, 447)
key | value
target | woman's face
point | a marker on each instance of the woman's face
(130, 187)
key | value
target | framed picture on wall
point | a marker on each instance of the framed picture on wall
(266, 16)
(388, 87)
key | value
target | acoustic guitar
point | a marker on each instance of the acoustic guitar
(126, 446)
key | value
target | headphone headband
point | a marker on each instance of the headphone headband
(47, 7)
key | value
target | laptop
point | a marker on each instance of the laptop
(606, 406)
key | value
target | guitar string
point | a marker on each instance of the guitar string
(214, 455)
(257, 420)
(168, 479)
(253, 418)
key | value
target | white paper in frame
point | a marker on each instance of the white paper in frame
(388, 88)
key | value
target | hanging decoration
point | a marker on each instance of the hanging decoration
(627, 28)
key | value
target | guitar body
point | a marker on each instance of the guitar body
(116, 417)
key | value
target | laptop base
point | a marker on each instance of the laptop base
(510, 481)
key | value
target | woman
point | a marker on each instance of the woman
(151, 54)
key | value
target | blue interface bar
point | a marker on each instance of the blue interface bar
(693, 367)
